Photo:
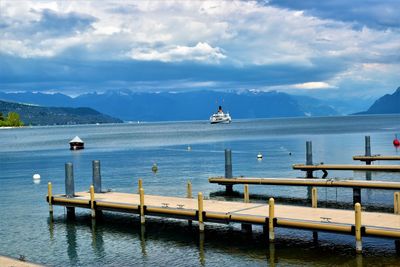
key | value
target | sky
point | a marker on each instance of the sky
(341, 48)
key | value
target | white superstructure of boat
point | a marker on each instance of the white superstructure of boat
(220, 117)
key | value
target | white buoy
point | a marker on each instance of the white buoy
(189, 148)
(259, 156)
(36, 176)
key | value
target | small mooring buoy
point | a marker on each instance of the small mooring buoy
(259, 156)
(189, 148)
(154, 168)
(36, 178)
(396, 142)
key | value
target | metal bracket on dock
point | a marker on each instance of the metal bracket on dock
(326, 219)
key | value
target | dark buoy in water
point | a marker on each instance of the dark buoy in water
(396, 142)
(154, 168)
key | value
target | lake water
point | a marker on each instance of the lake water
(128, 151)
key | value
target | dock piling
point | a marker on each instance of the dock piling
(368, 149)
(314, 200)
(200, 211)
(189, 195)
(309, 160)
(50, 196)
(357, 208)
(69, 187)
(271, 206)
(140, 184)
(96, 176)
(92, 190)
(397, 203)
(189, 190)
(228, 170)
(246, 194)
(356, 195)
(141, 192)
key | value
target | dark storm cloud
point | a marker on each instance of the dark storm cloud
(84, 74)
(371, 13)
(55, 23)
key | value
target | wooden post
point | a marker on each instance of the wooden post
(397, 203)
(367, 149)
(357, 208)
(356, 195)
(50, 196)
(189, 190)
(200, 211)
(246, 194)
(96, 177)
(271, 205)
(228, 170)
(309, 160)
(69, 187)
(314, 200)
(92, 201)
(189, 195)
(141, 192)
(140, 184)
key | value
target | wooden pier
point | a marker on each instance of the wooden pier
(375, 157)
(307, 182)
(343, 167)
(269, 215)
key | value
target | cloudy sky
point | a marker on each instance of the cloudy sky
(342, 48)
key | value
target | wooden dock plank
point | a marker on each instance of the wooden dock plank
(307, 182)
(375, 157)
(342, 167)
(390, 222)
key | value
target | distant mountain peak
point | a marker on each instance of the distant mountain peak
(387, 104)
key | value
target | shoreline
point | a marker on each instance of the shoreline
(9, 261)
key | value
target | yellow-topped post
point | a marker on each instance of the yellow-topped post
(141, 192)
(189, 190)
(357, 208)
(246, 194)
(140, 184)
(200, 211)
(314, 199)
(271, 204)
(92, 201)
(50, 196)
(397, 203)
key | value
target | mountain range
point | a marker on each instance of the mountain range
(196, 105)
(199, 105)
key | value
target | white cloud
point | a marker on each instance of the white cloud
(200, 52)
(312, 85)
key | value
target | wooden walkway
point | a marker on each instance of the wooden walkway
(340, 221)
(375, 157)
(307, 182)
(342, 167)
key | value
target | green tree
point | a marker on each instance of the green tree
(13, 119)
(1, 116)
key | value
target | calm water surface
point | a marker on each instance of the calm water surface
(127, 152)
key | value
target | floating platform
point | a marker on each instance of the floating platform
(321, 219)
(375, 157)
(342, 167)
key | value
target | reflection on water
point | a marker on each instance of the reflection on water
(72, 243)
(160, 240)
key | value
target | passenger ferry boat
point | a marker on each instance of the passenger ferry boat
(220, 117)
